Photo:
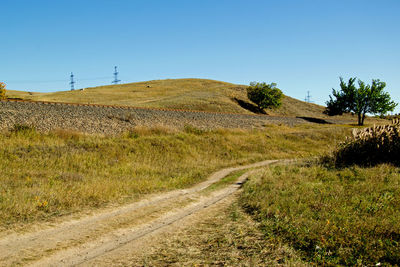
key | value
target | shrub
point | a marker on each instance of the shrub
(371, 146)
(2, 91)
(264, 95)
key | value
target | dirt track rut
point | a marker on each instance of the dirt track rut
(79, 241)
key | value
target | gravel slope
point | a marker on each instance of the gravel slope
(113, 120)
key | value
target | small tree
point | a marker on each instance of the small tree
(264, 95)
(362, 100)
(2, 91)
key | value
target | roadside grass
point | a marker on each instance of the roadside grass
(43, 176)
(343, 216)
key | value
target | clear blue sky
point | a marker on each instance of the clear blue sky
(299, 44)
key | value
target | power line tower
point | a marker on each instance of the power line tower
(308, 97)
(72, 82)
(116, 81)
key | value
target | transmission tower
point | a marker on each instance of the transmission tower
(116, 81)
(308, 97)
(72, 82)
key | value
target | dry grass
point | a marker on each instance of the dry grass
(192, 94)
(224, 236)
(47, 175)
(195, 94)
(2, 91)
(369, 146)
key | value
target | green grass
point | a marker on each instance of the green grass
(347, 217)
(47, 175)
(229, 179)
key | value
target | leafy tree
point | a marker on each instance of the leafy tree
(2, 91)
(264, 95)
(362, 100)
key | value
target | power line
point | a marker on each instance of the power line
(96, 79)
(55, 81)
(35, 81)
(72, 82)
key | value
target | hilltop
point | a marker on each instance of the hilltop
(191, 94)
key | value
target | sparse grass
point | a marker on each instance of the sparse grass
(333, 217)
(48, 175)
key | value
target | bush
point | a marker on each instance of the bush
(371, 146)
(264, 95)
(2, 91)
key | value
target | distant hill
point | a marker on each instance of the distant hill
(192, 94)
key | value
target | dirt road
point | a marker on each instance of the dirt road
(108, 232)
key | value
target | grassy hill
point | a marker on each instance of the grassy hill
(192, 94)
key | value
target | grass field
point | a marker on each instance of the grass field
(332, 216)
(192, 94)
(47, 175)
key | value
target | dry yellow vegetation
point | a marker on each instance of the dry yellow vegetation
(48, 175)
(192, 94)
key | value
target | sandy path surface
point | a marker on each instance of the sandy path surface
(101, 235)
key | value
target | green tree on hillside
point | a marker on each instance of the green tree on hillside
(264, 95)
(2, 91)
(362, 100)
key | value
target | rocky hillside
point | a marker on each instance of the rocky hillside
(111, 120)
(191, 94)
